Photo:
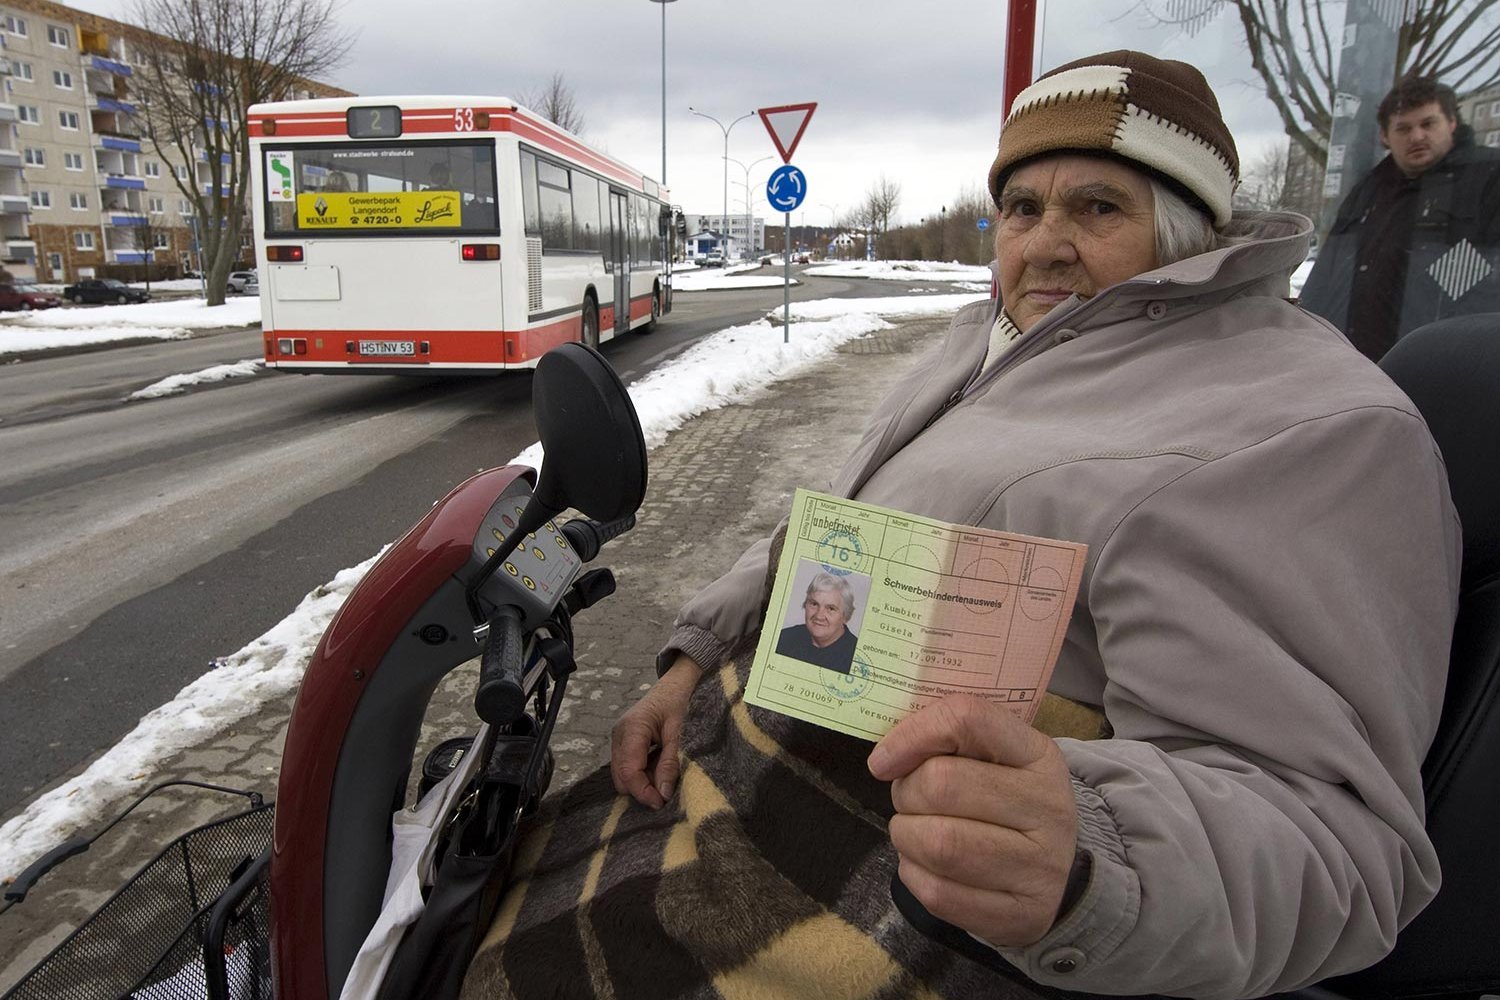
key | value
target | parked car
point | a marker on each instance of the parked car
(25, 296)
(239, 279)
(103, 290)
(251, 285)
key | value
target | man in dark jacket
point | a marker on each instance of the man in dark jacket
(1418, 238)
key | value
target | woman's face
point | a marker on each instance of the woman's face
(1070, 225)
(823, 611)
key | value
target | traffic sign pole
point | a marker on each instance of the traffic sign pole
(786, 280)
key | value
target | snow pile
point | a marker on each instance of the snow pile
(173, 384)
(166, 320)
(709, 279)
(903, 270)
(724, 368)
(236, 686)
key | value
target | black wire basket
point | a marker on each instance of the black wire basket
(193, 924)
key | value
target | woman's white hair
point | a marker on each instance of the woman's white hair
(1182, 231)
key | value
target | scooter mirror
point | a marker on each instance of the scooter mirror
(595, 453)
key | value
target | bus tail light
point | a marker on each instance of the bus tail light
(291, 345)
(285, 255)
(480, 251)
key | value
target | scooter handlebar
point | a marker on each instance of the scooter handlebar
(500, 697)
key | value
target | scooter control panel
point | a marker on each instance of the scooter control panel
(543, 566)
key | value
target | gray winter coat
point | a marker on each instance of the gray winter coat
(1264, 616)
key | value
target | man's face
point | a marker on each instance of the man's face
(1070, 225)
(823, 611)
(1419, 137)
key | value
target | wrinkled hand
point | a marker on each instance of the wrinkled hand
(985, 822)
(644, 743)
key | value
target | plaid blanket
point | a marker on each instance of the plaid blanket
(768, 874)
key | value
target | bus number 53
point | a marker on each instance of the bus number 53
(463, 119)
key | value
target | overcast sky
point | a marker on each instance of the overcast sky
(910, 90)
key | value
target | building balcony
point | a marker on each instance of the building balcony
(15, 204)
(100, 62)
(116, 142)
(99, 102)
(124, 217)
(8, 113)
(10, 158)
(129, 256)
(122, 182)
(20, 250)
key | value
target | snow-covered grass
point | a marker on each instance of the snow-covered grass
(708, 279)
(903, 270)
(80, 325)
(726, 367)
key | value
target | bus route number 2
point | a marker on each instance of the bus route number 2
(463, 119)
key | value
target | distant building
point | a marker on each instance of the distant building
(79, 183)
(702, 242)
(751, 237)
(1481, 109)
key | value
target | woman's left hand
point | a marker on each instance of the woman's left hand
(985, 822)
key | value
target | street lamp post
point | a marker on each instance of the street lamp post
(749, 223)
(726, 130)
(663, 88)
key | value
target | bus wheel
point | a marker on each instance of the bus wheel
(590, 332)
(655, 311)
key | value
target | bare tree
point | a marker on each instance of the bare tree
(555, 102)
(1264, 181)
(1294, 44)
(143, 238)
(880, 204)
(208, 62)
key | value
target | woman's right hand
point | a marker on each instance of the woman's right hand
(644, 743)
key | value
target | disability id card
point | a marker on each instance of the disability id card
(875, 613)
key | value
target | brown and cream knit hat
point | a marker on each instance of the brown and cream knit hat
(1159, 113)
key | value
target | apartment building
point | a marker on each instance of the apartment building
(751, 236)
(82, 191)
(1482, 110)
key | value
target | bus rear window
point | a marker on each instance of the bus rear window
(381, 189)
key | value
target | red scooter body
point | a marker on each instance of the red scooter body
(405, 617)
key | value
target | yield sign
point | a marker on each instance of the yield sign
(786, 125)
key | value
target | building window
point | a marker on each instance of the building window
(29, 113)
(181, 172)
(58, 36)
(73, 161)
(184, 207)
(41, 199)
(54, 264)
(35, 157)
(160, 241)
(68, 120)
(153, 169)
(23, 70)
(62, 78)
(156, 205)
(1495, 109)
(78, 200)
(16, 26)
(83, 240)
(1492, 138)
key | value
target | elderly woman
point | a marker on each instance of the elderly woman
(1221, 796)
(1262, 629)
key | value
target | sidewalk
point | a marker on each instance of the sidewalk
(718, 483)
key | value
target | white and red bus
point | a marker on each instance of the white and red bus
(445, 234)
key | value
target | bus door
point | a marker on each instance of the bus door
(619, 242)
